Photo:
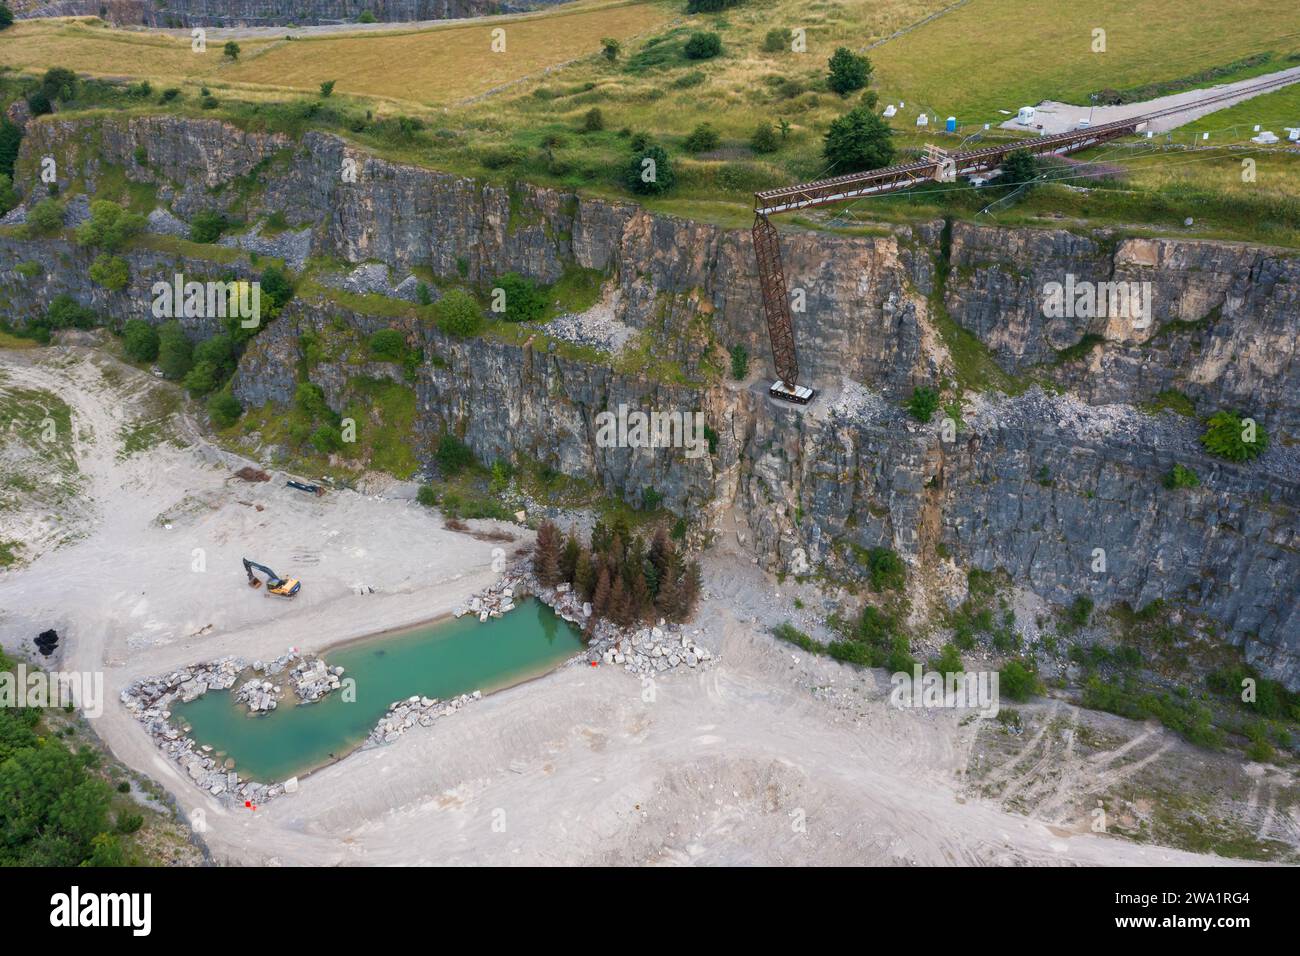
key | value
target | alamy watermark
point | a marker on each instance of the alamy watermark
(236, 299)
(23, 688)
(957, 689)
(652, 429)
(1074, 299)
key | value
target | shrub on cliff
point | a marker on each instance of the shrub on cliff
(923, 403)
(1181, 477)
(517, 299)
(111, 272)
(1234, 437)
(175, 354)
(44, 218)
(453, 455)
(6, 17)
(1017, 682)
(388, 345)
(65, 312)
(224, 409)
(276, 289)
(459, 314)
(230, 50)
(109, 226)
(207, 226)
(140, 340)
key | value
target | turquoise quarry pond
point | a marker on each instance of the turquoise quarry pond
(434, 660)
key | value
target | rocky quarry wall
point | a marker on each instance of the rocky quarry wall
(1037, 483)
(268, 13)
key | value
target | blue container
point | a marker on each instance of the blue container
(951, 125)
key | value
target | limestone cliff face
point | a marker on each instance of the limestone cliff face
(254, 13)
(1222, 327)
(1039, 485)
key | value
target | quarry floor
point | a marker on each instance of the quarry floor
(770, 756)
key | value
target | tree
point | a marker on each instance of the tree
(1181, 477)
(1233, 437)
(593, 121)
(600, 597)
(326, 89)
(459, 314)
(546, 554)
(231, 50)
(1019, 167)
(453, 455)
(200, 379)
(110, 226)
(701, 139)
(276, 287)
(388, 345)
(207, 226)
(649, 172)
(777, 40)
(703, 46)
(6, 17)
(175, 354)
(521, 299)
(224, 409)
(857, 141)
(739, 362)
(923, 403)
(45, 217)
(140, 340)
(111, 272)
(569, 556)
(11, 138)
(610, 48)
(58, 83)
(848, 71)
(764, 139)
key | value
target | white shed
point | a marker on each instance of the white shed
(891, 110)
(1025, 116)
(923, 120)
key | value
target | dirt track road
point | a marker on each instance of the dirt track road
(739, 763)
(1064, 117)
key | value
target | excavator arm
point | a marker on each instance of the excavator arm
(285, 587)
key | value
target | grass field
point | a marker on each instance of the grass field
(432, 66)
(1003, 54)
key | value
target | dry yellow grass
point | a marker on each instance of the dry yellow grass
(431, 66)
(444, 64)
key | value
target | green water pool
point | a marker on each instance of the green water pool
(438, 660)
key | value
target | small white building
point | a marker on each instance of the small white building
(1266, 138)
(923, 120)
(1293, 134)
(1026, 116)
(891, 110)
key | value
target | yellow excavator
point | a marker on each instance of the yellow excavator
(284, 587)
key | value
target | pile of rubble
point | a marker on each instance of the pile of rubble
(656, 649)
(261, 696)
(498, 599)
(404, 714)
(312, 680)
